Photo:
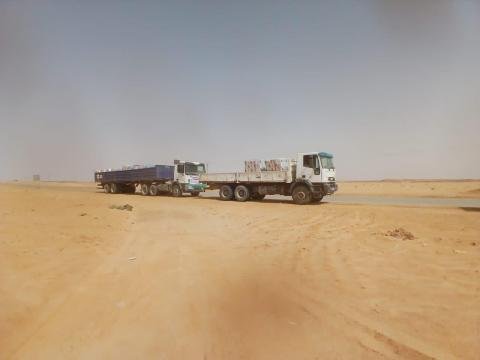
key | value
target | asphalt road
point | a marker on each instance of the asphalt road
(382, 200)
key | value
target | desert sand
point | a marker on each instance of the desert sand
(195, 278)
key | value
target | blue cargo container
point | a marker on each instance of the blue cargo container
(154, 173)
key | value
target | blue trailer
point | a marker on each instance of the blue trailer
(182, 177)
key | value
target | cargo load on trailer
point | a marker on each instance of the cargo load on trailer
(182, 177)
(307, 178)
(267, 165)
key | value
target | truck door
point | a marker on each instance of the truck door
(308, 167)
(180, 173)
(311, 168)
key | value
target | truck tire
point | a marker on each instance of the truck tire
(176, 190)
(114, 188)
(153, 190)
(144, 189)
(226, 192)
(130, 189)
(195, 193)
(242, 193)
(317, 199)
(106, 188)
(302, 195)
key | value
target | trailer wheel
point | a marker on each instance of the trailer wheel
(106, 188)
(242, 193)
(301, 195)
(176, 191)
(114, 188)
(144, 189)
(153, 190)
(226, 192)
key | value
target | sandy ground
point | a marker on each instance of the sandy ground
(204, 279)
(460, 188)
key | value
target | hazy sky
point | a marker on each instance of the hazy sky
(390, 87)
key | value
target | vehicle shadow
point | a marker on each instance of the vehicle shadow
(211, 198)
(469, 208)
(264, 201)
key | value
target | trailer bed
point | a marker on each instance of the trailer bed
(146, 174)
(247, 177)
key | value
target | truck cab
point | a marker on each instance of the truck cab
(187, 175)
(318, 171)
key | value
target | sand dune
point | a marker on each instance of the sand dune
(204, 279)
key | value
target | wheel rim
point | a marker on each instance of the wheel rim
(301, 195)
(226, 193)
(241, 193)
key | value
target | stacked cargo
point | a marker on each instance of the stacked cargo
(277, 164)
(253, 166)
(267, 165)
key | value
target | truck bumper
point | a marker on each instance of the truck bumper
(329, 188)
(324, 188)
(194, 187)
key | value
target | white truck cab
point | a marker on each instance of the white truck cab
(317, 171)
(187, 176)
(315, 167)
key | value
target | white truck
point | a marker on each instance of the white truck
(308, 178)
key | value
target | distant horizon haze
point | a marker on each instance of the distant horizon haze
(390, 88)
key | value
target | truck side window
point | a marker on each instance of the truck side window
(308, 161)
(181, 168)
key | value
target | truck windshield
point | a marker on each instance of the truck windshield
(194, 169)
(327, 162)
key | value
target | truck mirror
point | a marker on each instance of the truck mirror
(317, 171)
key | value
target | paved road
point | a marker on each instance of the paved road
(383, 200)
(407, 201)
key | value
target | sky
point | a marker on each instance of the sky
(390, 87)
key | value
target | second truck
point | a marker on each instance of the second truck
(182, 177)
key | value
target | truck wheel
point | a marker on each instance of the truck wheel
(153, 190)
(114, 188)
(144, 189)
(130, 189)
(106, 188)
(195, 193)
(242, 193)
(226, 192)
(317, 199)
(301, 195)
(176, 191)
